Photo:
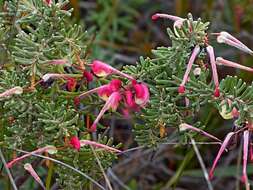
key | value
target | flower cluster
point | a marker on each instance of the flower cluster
(133, 95)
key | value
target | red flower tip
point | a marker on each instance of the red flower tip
(77, 101)
(93, 128)
(210, 176)
(88, 76)
(115, 85)
(101, 69)
(75, 142)
(155, 17)
(243, 179)
(216, 92)
(181, 89)
(71, 84)
(141, 94)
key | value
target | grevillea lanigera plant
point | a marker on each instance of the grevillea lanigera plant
(53, 96)
(180, 85)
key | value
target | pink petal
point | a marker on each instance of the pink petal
(112, 102)
(210, 52)
(102, 90)
(28, 167)
(224, 62)
(15, 90)
(185, 126)
(194, 54)
(129, 99)
(228, 39)
(171, 17)
(222, 148)
(141, 94)
(98, 145)
(102, 69)
(40, 150)
(58, 62)
(245, 155)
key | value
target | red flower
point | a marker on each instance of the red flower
(102, 69)
(141, 94)
(77, 101)
(88, 76)
(74, 141)
(71, 84)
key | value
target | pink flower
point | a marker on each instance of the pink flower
(195, 53)
(178, 21)
(224, 62)
(222, 148)
(88, 76)
(58, 62)
(50, 149)
(224, 37)
(28, 167)
(98, 145)
(210, 52)
(141, 94)
(15, 90)
(71, 84)
(161, 15)
(245, 156)
(185, 126)
(112, 102)
(104, 91)
(74, 141)
(102, 69)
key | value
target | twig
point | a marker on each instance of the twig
(111, 173)
(102, 169)
(209, 184)
(8, 171)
